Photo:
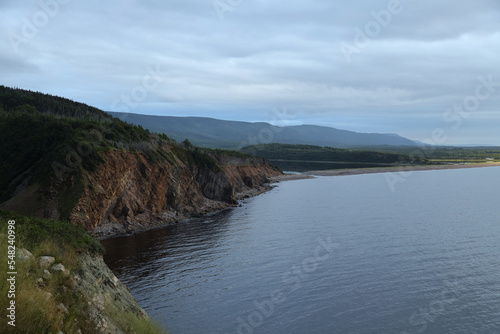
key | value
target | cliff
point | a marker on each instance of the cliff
(127, 193)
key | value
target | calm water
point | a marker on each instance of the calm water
(329, 255)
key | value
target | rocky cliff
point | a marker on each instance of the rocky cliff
(87, 299)
(128, 193)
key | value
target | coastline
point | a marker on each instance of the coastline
(211, 207)
(373, 170)
(290, 177)
(357, 171)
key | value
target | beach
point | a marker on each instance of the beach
(393, 169)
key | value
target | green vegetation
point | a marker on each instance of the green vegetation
(194, 156)
(448, 154)
(308, 157)
(14, 100)
(44, 237)
(226, 153)
(39, 146)
(38, 300)
(32, 232)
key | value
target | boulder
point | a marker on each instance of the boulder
(23, 254)
(46, 261)
(60, 268)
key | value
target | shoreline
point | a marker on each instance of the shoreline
(290, 177)
(372, 170)
(211, 207)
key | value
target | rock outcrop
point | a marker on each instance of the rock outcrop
(147, 184)
(128, 193)
(106, 296)
(99, 302)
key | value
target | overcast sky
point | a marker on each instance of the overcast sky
(366, 65)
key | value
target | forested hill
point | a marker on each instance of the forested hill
(19, 100)
(309, 157)
(42, 135)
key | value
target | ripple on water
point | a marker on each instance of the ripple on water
(426, 256)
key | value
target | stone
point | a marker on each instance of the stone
(23, 254)
(40, 283)
(46, 274)
(46, 261)
(62, 308)
(60, 268)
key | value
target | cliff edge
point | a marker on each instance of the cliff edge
(61, 283)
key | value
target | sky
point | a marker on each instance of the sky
(426, 70)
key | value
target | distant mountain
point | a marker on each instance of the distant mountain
(209, 132)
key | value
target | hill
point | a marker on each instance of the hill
(209, 132)
(308, 157)
(14, 100)
(68, 161)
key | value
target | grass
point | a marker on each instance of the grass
(132, 323)
(37, 313)
(33, 232)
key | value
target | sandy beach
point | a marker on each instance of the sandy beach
(356, 171)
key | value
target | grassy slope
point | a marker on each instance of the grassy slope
(35, 312)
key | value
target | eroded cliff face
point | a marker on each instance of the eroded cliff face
(157, 184)
(128, 193)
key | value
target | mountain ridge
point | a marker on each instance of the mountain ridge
(235, 134)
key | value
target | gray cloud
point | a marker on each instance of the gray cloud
(264, 55)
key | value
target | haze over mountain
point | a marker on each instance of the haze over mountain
(209, 132)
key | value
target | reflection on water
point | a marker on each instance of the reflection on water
(422, 259)
(185, 244)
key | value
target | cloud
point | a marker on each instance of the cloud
(264, 55)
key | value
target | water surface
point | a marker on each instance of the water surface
(343, 254)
